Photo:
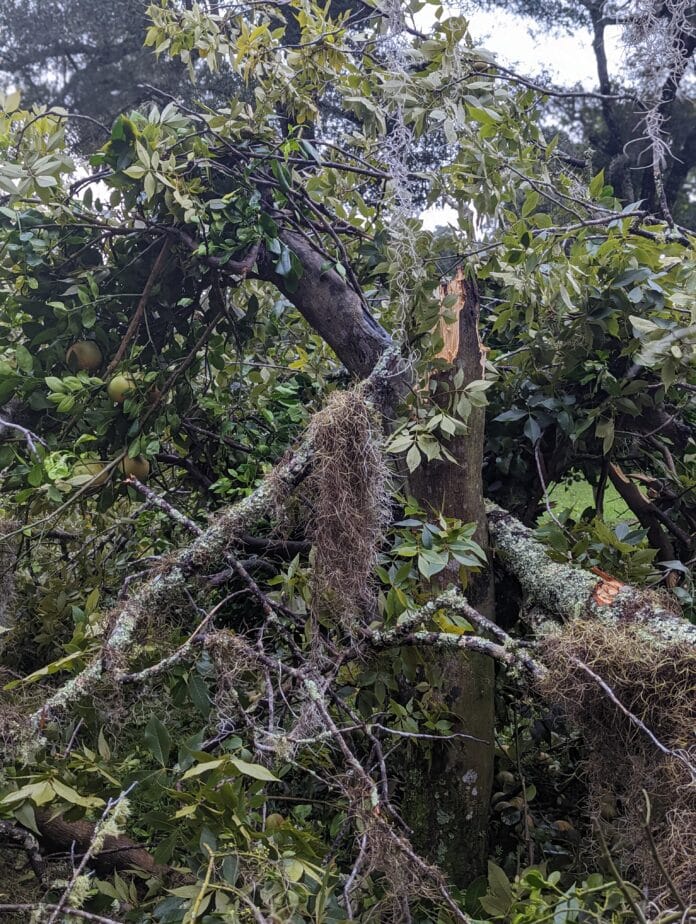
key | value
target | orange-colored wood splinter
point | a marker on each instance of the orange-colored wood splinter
(607, 589)
(449, 320)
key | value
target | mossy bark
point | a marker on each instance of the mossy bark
(566, 592)
(446, 799)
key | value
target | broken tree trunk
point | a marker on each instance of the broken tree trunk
(622, 668)
(460, 774)
(447, 800)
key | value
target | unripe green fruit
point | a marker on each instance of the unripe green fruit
(86, 471)
(138, 467)
(274, 821)
(84, 354)
(505, 779)
(121, 387)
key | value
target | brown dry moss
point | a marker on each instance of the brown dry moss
(656, 681)
(348, 493)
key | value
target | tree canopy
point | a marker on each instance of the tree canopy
(278, 479)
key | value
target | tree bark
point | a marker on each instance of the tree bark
(567, 592)
(447, 801)
(331, 307)
(117, 852)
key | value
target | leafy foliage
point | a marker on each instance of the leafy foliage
(181, 262)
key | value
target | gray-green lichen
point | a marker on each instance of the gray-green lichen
(569, 592)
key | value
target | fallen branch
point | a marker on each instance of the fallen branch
(210, 547)
(567, 592)
(117, 852)
(505, 649)
(154, 594)
(92, 848)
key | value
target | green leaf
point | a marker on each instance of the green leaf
(254, 770)
(200, 694)
(89, 316)
(203, 767)
(73, 796)
(514, 413)
(530, 203)
(532, 430)
(597, 184)
(36, 475)
(284, 263)
(158, 740)
(40, 792)
(56, 385)
(605, 431)
(26, 816)
(413, 458)
(294, 870)
(24, 359)
(431, 563)
(48, 669)
(10, 102)
(230, 868)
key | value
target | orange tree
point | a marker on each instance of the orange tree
(236, 314)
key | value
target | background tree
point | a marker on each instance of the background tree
(641, 127)
(89, 58)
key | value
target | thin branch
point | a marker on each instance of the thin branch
(68, 912)
(656, 854)
(137, 318)
(31, 438)
(633, 719)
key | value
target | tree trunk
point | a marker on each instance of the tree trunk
(331, 307)
(447, 800)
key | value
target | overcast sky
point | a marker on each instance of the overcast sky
(517, 42)
(568, 57)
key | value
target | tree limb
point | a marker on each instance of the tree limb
(567, 592)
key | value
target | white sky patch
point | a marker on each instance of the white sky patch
(438, 216)
(519, 43)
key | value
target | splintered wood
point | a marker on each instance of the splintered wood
(607, 589)
(449, 317)
(450, 322)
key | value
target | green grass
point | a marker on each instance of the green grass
(577, 495)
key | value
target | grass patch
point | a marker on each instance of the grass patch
(577, 496)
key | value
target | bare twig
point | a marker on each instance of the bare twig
(30, 438)
(137, 318)
(68, 912)
(633, 719)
